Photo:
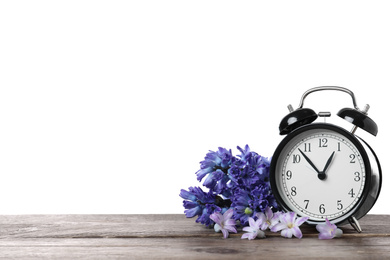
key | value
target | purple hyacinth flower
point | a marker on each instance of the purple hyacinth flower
(214, 168)
(245, 153)
(221, 159)
(328, 230)
(268, 219)
(224, 222)
(253, 230)
(199, 203)
(289, 224)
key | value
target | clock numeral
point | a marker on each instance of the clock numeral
(352, 156)
(322, 208)
(338, 147)
(296, 158)
(293, 191)
(288, 175)
(307, 147)
(357, 176)
(351, 193)
(307, 203)
(339, 205)
(323, 142)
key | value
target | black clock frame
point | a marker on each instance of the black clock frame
(366, 201)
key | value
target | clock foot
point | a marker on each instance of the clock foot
(355, 224)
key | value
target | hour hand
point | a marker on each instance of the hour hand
(328, 163)
(309, 161)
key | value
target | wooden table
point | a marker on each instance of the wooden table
(174, 237)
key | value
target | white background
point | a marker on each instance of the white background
(109, 106)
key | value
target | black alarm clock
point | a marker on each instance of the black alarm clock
(321, 170)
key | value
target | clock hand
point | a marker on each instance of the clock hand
(328, 163)
(310, 162)
(322, 175)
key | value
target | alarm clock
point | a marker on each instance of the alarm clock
(323, 171)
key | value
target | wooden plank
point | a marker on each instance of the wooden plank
(195, 248)
(139, 226)
(173, 237)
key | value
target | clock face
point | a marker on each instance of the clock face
(319, 172)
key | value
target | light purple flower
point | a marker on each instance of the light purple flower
(328, 230)
(253, 229)
(224, 222)
(268, 219)
(289, 224)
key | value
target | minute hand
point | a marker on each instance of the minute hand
(310, 162)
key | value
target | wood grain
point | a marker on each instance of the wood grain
(173, 237)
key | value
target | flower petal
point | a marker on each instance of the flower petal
(289, 217)
(275, 219)
(187, 195)
(338, 233)
(325, 235)
(247, 229)
(287, 233)
(193, 212)
(189, 204)
(245, 236)
(264, 226)
(231, 229)
(300, 221)
(296, 232)
(217, 228)
(262, 221)
(249, 236)
(258, 223)
(201, 173)
(278, 227)
(268, 213)
(331, 225)
(225, 233)
(277, 215)
(228, 214)
(322, 228)
(252, 235)
(260, 234)
(261, 216)
(252, 222)
(230, 222)
(210, 181)
(216, 217)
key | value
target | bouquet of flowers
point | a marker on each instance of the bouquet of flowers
(238, 182)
